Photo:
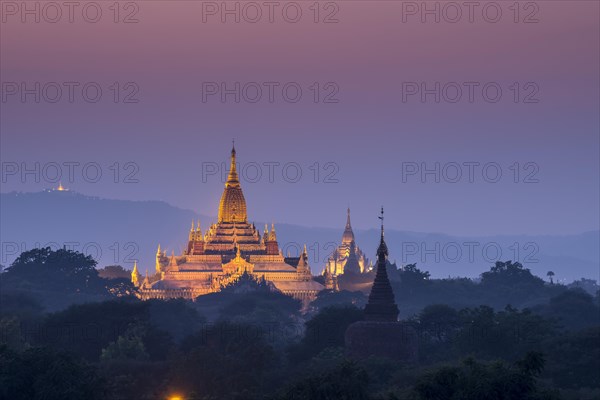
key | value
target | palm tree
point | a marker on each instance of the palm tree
(550, 274)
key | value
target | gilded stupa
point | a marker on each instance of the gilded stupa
(228, 249)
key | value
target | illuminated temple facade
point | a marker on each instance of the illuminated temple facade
(222, 254)
(347, 258)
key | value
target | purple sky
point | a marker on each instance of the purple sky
(366, 139)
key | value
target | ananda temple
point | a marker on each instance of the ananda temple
(229, 248)
(347, 258)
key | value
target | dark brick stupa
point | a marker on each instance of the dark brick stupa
(380, 334)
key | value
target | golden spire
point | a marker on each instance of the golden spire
(301, 260)
(198, 234)
(157, 266)
(233, 176)
(303, 268)
(348, 235)
(135, 274)
(272, 235)
(232, 207)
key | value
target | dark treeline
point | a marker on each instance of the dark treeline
(68, 331)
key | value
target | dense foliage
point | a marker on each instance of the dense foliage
(509, 336)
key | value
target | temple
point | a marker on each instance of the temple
(228, 249)
(381, 334)
(347, 258)
(381, 305)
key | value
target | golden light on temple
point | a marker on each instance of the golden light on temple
(60, 187)
(224, 252)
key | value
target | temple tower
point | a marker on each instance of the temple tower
(232, 207)
(381, 305)
(191, 239)
(381, 334)
(226, 249)
(303, 269)
(158, 260)
(271, 242)
(197, 247)
(348, 252)
(136, 277)
(348, 235)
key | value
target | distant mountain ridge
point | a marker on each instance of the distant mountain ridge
(121, 231)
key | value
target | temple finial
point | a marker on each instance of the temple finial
(272, 235)
(232, 179)
(382, 250)
(302, 259)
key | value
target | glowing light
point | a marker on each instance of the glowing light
(60, 187)
(175, 397)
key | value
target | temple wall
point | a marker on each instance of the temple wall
(260, 258)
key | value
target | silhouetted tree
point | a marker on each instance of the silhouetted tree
(475, 381)
(114, 272)
(57, 278)
(346, 382)
(574, 309)
(41, 373)
(128, 346)
(574, 359)
(413, 277)
(505, 334)
(225, 360)
(342, 298)
(326, 329)
(509, 273)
